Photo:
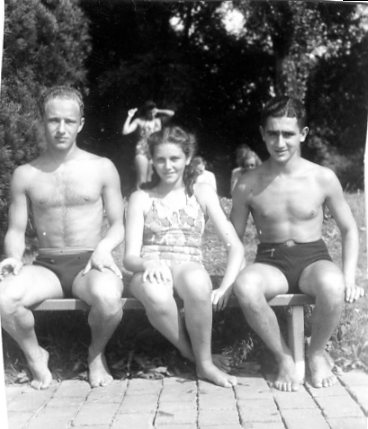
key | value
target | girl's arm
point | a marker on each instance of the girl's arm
(166, 112)
(130, 126)
(209, 200)
(153, 271)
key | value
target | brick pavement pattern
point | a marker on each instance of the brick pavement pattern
(177, 403)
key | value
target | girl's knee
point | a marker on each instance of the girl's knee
(156, 297)
(196, 285)
(153, 296)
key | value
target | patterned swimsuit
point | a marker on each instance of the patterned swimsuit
(173, 234)
(145, 130)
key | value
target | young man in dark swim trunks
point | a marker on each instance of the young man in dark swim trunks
(286, 196)
(69, 191)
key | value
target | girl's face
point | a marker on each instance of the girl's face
(250, 163)
(170, 161)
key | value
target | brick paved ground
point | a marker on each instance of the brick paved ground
(175, 403)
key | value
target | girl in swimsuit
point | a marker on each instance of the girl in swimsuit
(246, 160)
(164, 229)
(145, 122)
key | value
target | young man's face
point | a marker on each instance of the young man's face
(283, 137)
(63, 122)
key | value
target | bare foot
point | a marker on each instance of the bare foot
(211, 373)
(40, 371)
(286, 380)
(99, 375)
(320, 366)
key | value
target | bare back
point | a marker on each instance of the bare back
(66, 201)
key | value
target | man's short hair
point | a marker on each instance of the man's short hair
(61, 91)
(284, 106)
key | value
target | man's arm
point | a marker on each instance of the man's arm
(114, 209)
(14, 242)
(343, 216)
(240, 209)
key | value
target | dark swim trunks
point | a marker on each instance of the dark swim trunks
(291, 258)
(66, 264)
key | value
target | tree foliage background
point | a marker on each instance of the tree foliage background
(45, 43)
(183, 56)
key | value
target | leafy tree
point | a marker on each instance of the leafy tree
(318, 59)
(181, 55)
(45, 43)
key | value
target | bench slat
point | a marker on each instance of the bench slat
(71, 304)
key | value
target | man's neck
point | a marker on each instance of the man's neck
(289, 167)
(59, 156)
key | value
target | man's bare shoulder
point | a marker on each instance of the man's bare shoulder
(322, 174)
(25, 172)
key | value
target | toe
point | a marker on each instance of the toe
(294, 387)
(35, 384)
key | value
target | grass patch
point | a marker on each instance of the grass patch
(136, 349)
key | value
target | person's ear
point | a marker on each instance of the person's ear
(261, 130)
(304, 132)
(81, 125)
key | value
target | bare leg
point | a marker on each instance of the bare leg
(194, 286)
(254, 285)
(102, 291)
(142, 165)
(162, 312)
(32, 285)
(324, 281)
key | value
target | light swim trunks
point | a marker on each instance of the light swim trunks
(65, 263)
(292, 258)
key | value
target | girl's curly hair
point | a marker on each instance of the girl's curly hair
(174, 135)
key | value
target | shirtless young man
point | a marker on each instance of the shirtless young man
(286, 196)
(67, 191)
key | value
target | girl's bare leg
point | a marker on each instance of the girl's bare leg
(162, 312)
(194, 287)
(143, 166)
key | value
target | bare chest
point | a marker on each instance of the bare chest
(64, 189)
(294, 200)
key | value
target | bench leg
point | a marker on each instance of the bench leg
(296, 338)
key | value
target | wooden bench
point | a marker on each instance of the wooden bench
(295, 317)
